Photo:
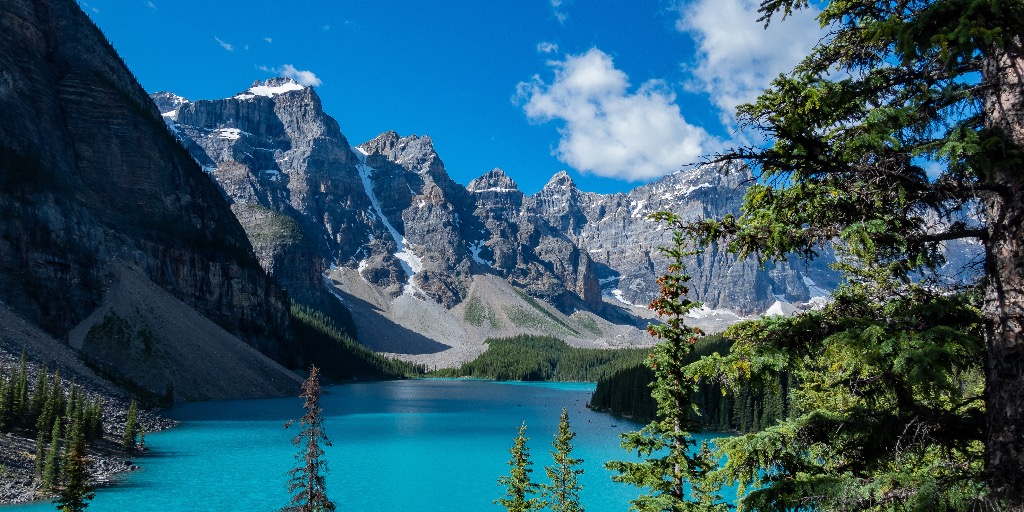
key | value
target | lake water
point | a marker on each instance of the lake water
(428, 445)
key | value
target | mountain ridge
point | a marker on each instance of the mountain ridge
(93, 183)
(386, 212)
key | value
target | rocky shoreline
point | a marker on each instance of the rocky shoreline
(107, 460)
(44, 354)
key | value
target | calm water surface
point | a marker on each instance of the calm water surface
(428, 445)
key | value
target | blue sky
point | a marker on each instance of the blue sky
(616, 93)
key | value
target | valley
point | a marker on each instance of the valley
(837, 296)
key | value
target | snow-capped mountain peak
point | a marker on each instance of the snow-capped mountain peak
(270, 88)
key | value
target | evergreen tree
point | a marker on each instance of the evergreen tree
(307, 484)
(94, 424)
(51, 465)
(671, 466)
(40, 457)
(922, 82)
(899, 86)
(562, 493)
(38, 398)
(76, 491)
(57, 403)
(73, 409)
(6, 397)
(520, 491)
(51, 409)
(19, 403)
(131, 428)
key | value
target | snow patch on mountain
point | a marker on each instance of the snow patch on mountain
(708, 312)
(408, 259)
(813, 289)
(230, 133)
(617, 295)
(268, 90)
(780, 308)
(475, 249)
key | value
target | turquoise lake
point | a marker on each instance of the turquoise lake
(428, 445)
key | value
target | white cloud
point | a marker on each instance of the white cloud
(227, 46)
(546, 47)
(301, 76)
(736, 56)
(560, 14)
(326, 28)
(151, 5)
(608, 130)
(268, 39)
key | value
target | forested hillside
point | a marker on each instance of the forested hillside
(626, 392)
(539, 358)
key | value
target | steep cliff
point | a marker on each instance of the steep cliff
(93, 181)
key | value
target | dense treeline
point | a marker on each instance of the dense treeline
(541, 358)
(33, 410)
(58, 418)
(320, 341)
(627, 392)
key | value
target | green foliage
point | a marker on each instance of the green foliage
(44, 404)
(627, 392)
(540, 358)
(118, 333)
(319, 341)
(476, 313)
(19, 402)
(674, 474)
(886, 404)
(10, 387)
(113, 330)
(131, 429)
(275, 228)
(588, 323)
(898, 395)
(562, 492)
(51, 459)
(74, 494)
(520, 491)
(544, 311)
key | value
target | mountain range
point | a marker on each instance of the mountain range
(383, 227)
(167, 242)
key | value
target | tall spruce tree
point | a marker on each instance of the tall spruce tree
(520, 491)
(19, 402)
(75, 491)
(38, 397)
(307, 484)
(52, 461)
(676, 473)
(131, 428)
(899, 86)
(562, 492)
(6, 397)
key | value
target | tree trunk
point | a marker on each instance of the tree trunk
(1004, 267)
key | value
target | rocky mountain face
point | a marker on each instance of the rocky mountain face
(386, 210)
(93, 185)
(617, 233)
